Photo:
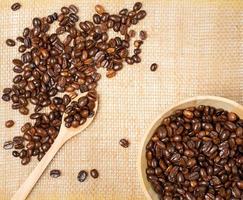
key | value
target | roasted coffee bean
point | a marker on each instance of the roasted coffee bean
(141, 14)
(8, 145)
(55, 173)
(153, 67)
(99, 9)
(143, 35)
(40, 156)
(10, 42)
(82, 175)
(9, 123)
(15, 6)
(15, 154)
(22, 154)
(25, 160)
(124, 143)
(137, 6)
(73, 9)
(94, 173)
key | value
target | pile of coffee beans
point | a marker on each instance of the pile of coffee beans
(66, 61)
(197, 153)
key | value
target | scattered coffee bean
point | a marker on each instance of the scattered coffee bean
(194, 154)
(143, 35)
(94, 173)
(55, 173)
(82, 175)
(9, 123)
(153, 67)
(124, 143)
(8, 145)
(15, 6)
(10, 42)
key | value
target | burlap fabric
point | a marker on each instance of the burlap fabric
(198, 47)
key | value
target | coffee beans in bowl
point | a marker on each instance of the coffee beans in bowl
(195, 151)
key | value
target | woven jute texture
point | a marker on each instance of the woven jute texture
(198, 47)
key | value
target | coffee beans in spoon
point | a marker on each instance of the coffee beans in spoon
(197, 153)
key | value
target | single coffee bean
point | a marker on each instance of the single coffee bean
(15, 154)
(55, 173)
(153, 67)
(94, 173)
(25, 160)
(82, 175)
(8, 145)
(143, 35)
(137, 6)
(15, 6)
(10, 42)
(99, 9)
(124, 143)
(9, 123)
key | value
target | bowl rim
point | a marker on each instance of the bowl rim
(167, 109)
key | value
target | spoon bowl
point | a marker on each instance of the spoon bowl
(64, 135)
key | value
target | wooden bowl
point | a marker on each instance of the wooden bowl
(217, 102)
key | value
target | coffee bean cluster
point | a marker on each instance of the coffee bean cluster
(78, 111)
(197, 153)
(65, 61)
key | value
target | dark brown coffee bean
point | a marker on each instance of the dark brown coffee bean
(82, 175)
(15, 154)
(15, 6)
(9, 123)
(94, 173)
(36, 22)
(22, 154)
(40, 156)
(137, 6)
(24, 111)
(10, 42)
(25, 160)
(96, 19)
(153, 67)
(55, 173)
(124, 143)
(141, 14)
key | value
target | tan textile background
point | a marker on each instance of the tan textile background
(198, 46)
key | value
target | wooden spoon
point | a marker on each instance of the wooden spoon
(64, 135)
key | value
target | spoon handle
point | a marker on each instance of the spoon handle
(34, 176)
